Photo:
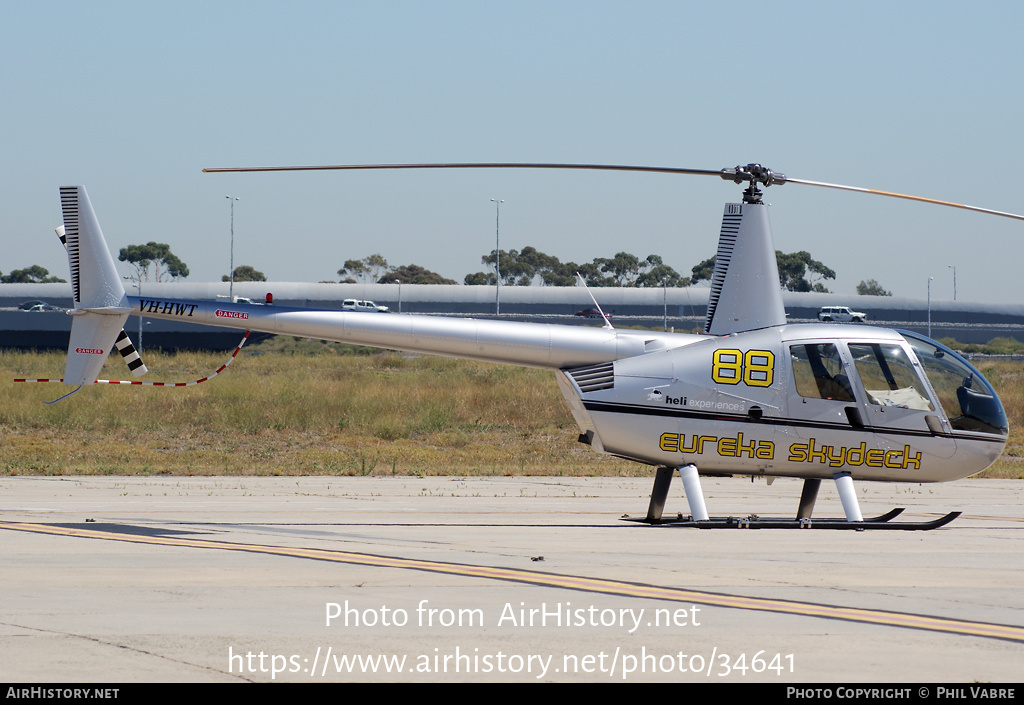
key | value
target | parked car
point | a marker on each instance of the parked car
(841, 314)
(37, 305)
(368, 306)
(591, 313)
(236, 300)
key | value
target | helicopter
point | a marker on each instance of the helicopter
(752, 395)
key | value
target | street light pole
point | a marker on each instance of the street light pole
(497, 255)
(138, 284)
(664, 289)
(399, 282)
(953, 267)
(231, 272)
(930, 306)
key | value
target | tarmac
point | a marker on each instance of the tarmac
(508, 579)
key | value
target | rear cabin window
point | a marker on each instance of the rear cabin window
(818, 372)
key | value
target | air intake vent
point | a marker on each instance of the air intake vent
(726, 246)
(69, 206)
(594, 377)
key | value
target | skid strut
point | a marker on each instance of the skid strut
(694, 493)
(808, 497)
(691, 486)
(848, 495)
(662, 483)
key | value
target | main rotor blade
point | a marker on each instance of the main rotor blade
(485, 165)
(922, 199)
(751, 172)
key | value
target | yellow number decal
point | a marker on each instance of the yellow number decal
(755, 368)
(758, 368)
(727, 367)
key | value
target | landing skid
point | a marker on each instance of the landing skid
(698, 516)
(755, 522)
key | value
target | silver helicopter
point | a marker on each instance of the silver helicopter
(753, 395)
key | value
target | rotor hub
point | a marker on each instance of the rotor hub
(754, 174)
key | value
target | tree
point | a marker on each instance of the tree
(515, 269)
(560, 274)
(413, 274)
(797, 271)
(539, 262)
(30, 275)
(660, 274)
(245, 273)
(368, 269)
(591, 273)
(158, 254)
(702, 271)
(525, 267)
(794, 268)
(872, 288)
(479, 279)
(624, 268)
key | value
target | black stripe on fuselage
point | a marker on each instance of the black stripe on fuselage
(641, 410)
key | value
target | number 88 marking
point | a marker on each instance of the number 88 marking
(755, 368)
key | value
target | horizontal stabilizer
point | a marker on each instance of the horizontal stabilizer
(92, 338)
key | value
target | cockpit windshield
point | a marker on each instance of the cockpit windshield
(968, 399)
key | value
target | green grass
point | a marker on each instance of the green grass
(288, 407)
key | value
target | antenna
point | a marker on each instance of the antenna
(607, 323)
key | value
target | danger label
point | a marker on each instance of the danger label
(230, 314)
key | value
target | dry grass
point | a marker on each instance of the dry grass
(277, 413)
(1008, 379)
(310, 409)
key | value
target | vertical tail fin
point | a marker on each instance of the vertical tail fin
(123, 344)
(745, 292)
(94, 277)
(101, 305)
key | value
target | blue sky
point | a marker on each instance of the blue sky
(135, 99)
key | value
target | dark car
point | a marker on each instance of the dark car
(37, 305)
(591, 313)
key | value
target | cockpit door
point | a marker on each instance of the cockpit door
(899, 405)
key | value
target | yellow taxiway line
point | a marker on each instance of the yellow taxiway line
(571, 582)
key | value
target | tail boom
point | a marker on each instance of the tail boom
(516, 343)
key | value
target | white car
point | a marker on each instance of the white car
(841, 314)
(368, 306)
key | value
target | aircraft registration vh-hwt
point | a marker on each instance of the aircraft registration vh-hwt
(753, 395)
